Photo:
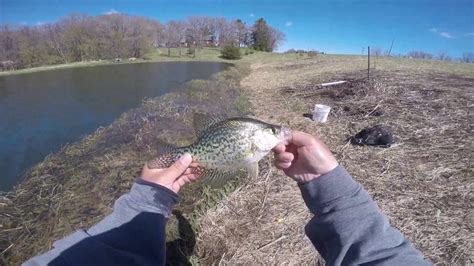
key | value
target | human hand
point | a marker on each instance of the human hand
(304, 158)
(173, 177)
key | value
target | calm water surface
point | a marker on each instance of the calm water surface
(41, 112)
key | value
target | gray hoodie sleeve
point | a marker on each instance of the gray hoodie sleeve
(349, 229)
(124, 237)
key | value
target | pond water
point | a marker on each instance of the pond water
(43, 111)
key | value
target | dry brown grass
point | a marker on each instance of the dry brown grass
(423, 183)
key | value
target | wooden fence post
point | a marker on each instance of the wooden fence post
(368, 63)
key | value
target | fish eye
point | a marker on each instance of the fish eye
(274, 130)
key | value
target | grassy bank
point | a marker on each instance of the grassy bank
(77, 186)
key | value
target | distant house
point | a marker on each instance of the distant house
(207, 41)
(184, 41)
(210, 40)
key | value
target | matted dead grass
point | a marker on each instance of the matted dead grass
(423, 183)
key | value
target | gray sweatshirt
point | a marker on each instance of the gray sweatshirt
(347, 229)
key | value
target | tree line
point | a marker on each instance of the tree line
(80, 37)
(466, 57)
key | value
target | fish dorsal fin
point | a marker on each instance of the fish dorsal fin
(215, 177)
(202, 122)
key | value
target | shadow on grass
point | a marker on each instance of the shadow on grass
(137, 242)
(308, 115)
(179, 250)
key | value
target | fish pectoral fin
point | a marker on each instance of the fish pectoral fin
(252, 170)
(215, 177)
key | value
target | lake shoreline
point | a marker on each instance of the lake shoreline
(86, 98)
(157, 56)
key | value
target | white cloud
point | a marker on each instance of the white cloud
(443, 34)
(111, 11)
(446, 34)
(39, 23)
(289, 23)
(252, 15)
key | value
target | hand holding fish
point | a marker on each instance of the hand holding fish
(173, 177)
(304, 158)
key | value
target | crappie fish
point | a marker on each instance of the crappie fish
(225, 146)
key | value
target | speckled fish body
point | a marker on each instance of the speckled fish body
(223, 147)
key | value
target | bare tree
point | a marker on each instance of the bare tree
(9, 44)
(140, 36)
(55, 40)
(81, 37)
(32, 51)
(467, 57)
(376, 51)
(198, 28)
(420, 55)
(174, 35)
(443, 56)
(115, 29)
(231, 33)
(276, 38)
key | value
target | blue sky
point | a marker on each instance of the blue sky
(337, 26)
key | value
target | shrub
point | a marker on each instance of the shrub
(312, 53)
(230, 52)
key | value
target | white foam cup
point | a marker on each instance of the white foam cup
(321, 112)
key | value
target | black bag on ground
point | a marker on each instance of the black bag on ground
(378, 135)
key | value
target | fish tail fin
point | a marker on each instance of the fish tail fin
(167, 154)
